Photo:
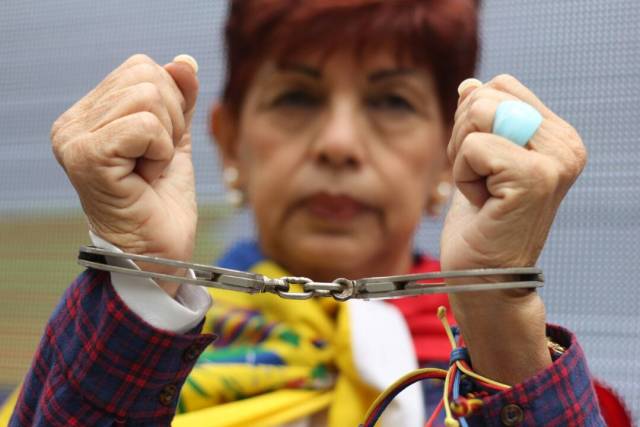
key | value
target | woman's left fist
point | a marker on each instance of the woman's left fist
(507, 195)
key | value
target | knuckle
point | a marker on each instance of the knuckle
(479, 93)
(139, 58)
(100, 154)
(58, 126)
(149, 122)
(573, 168)
(478, 109)
(578, 147)
(58, 137)
(581, 157)
(57, 153)
(54, 134)
(468, 145)
(472, 139)
(149, 94)
(576, 159)
(146, 71)
(165, 150)
(504, 81)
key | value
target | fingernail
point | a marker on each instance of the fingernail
(467, 83)
(187, 59)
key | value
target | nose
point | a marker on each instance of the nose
(339, 144)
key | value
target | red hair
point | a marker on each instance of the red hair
(438, 35)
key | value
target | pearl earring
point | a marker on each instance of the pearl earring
(234, 196)
(444, 190)
(230, 176)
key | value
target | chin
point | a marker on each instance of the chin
(329, 256)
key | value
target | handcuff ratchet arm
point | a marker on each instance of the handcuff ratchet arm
(205, 275)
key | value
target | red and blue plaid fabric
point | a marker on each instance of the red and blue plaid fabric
(560, 396)
(99, 364)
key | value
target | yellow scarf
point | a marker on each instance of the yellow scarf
(310, 340)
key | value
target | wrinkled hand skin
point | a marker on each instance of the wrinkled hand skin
(126, 148)
(506, 199)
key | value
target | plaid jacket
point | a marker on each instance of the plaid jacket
(99, 364)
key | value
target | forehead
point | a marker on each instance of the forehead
(367, 57)
(345, 64)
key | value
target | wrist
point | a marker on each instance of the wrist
(168, 286)
(504, 333)
(171, 288)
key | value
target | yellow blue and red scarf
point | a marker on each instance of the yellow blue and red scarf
(275, 360)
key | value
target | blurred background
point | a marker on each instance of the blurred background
(582, 57)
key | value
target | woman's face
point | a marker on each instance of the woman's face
(339, 159)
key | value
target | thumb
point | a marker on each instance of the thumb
(183, 70)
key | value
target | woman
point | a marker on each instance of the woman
(340, 127)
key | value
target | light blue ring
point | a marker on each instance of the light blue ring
(517, 121)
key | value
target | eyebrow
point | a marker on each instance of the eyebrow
(308, 71)
(391, 73)
(372, 77)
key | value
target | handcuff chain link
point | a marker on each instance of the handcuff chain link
(310, 289)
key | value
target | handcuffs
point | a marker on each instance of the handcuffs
(301, 288)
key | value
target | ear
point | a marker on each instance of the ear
(440, 192)
(224, 130)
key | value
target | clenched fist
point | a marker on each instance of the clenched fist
(126, 148)
(506, 199)
(507, 195)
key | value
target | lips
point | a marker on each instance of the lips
(334, 208)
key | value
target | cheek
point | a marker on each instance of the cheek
(408, 198)
(416, 168)
(266, 149)
(267, 162)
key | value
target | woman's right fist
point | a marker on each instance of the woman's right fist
(126, 148)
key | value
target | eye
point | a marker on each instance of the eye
(391, 102)
(296, 99)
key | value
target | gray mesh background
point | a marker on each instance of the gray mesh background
(580, 56)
